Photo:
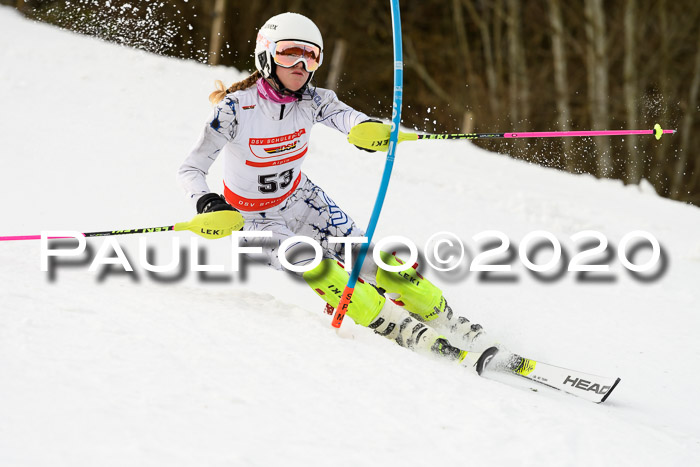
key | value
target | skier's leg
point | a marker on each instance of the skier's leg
(270, 222)
(308, 212)
(370, 309)
(314, 214)
(425, 301)
(311, 212)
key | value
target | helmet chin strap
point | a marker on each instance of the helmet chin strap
(281, 88)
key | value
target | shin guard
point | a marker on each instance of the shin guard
(416, 293)
(328, 280)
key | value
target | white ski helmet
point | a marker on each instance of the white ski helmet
(284, 27)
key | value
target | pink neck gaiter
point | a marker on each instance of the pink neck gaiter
(267, 92)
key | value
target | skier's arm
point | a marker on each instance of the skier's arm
(332, 112)
(219, 130)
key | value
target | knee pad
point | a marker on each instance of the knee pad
(328, 280)
(417, 294)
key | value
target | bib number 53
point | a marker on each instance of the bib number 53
(270, 183)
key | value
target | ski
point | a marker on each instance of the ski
(594, 388)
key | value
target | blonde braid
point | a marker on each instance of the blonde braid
(220, 92)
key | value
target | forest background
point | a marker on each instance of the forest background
(470, 65)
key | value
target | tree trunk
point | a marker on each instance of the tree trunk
(216, 37)
(336, 64)
(597, 74)
(491, 78)
(522, 70)
(686, 129)
(561, 84)
(466, 63)
(519, 83)
(497, 21)
(635, 165)
(411, 60)
(513, 58)
(660, 164)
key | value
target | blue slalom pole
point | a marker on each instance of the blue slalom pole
(388, 166)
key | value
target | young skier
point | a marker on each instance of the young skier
(261, 125)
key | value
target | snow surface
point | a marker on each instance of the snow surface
(126, 369)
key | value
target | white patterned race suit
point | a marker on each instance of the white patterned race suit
(263, 145)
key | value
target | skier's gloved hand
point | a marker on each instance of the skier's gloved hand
(212, 202)
(366, 121)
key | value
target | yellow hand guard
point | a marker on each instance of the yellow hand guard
(375, 136)
(212, 225)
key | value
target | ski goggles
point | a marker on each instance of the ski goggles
(289, 53)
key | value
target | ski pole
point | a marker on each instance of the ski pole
(392, 141)
(375, 136)
(209, 225)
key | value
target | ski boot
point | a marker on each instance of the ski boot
(370, 308)
(425, 302)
